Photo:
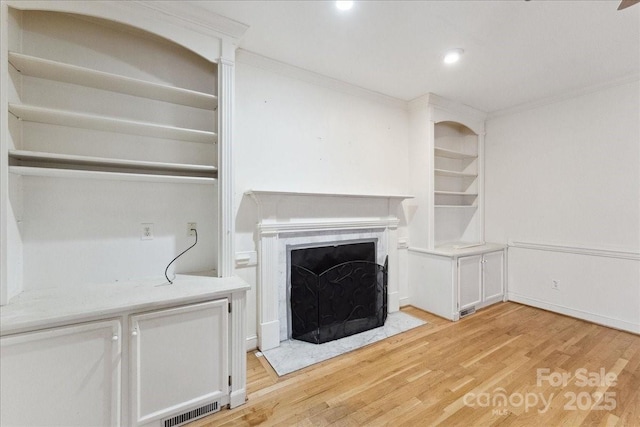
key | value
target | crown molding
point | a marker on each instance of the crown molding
(307, 76)
(564, 96)
(197, 15)
(433, 100)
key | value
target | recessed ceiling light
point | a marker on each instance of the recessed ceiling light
(452, 56)
(344, 5)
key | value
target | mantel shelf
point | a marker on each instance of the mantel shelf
(275, 193)
(52, 116)
(66, 73)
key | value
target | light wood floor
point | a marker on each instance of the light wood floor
(432, 374)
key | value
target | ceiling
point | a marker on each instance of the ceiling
(515, 51)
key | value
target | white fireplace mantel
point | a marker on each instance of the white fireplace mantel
(274, 193)
(286, 216)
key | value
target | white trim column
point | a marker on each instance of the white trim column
(225, 165)
(238, 322)
(393, 281)
(269, 327)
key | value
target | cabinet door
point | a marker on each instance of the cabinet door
(64, 376)
(469, 281)
(178, 360)
(493, 276)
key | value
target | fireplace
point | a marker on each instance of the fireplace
(336, 291)
(290, 220)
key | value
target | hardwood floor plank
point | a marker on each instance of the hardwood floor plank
(478, 371)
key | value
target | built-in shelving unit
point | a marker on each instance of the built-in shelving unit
(452, 270)
(110, 125)
(115, 132)
(456, 187)
(53, 70)
(455, 172)
(48, 94)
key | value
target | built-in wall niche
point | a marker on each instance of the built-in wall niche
(109, 128)
(456, 184)
(87, 94)
(455, 164)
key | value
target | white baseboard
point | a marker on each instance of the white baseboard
(252, 343)
(393, 303)
(238, 397)
(591, 317)
(405, 301)
(269, 335)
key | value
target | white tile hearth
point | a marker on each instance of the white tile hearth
(293, 355)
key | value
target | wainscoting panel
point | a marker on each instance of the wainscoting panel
(600, 286)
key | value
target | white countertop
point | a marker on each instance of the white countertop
(49, 307)
(458, 249)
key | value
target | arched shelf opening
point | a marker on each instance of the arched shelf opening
(456, 188)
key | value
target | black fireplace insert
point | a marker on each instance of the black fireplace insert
(336, 291)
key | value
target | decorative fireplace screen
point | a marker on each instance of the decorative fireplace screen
(336, 291)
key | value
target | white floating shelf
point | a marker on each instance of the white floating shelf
(109, 124)
(456, 206)
(58, 71)
(454, 193)
(87, 161)
(442, 152)
(456, 174)
(114, 176)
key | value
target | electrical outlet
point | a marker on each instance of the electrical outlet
(555, 284)
(190, 227)
(146, 232)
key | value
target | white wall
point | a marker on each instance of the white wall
(89, 231)
(567, 174)
(308, 133)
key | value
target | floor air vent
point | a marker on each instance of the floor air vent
(178, 420)
(467, 311)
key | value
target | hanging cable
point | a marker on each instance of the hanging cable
(181, 253)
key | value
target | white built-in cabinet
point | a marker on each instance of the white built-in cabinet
(451, 267)
(453, 285)
(137, 368)
(480, 280)
(63, 376)
(192, 343)
(115, 135)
